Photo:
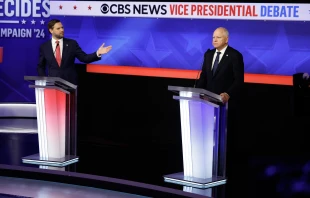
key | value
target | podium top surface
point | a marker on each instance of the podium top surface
(52, 80)
(200, 91)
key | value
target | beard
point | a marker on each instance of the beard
(59, 36)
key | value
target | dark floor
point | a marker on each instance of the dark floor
(19, 138)
(33, 188)
(275, 165)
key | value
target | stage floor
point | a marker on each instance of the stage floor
(256, 175)
(35, 188)
(19, 138)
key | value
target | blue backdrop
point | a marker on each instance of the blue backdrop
(268, 47)
(21, 33)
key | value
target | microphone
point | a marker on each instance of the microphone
(200, 70)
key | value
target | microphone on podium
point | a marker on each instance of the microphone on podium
(200, 69)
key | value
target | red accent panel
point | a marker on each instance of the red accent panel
(55, 112)
(268, 79)
(186, 74)
(143, 71)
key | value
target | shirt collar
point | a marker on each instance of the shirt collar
(54, 40)
(223, 50)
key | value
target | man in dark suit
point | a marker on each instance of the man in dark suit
(59, 54)
(223, 74)
(223, 68)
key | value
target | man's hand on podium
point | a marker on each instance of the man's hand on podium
(225, 97)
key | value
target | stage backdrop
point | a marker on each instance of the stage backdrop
(273, 38)
(22, 30)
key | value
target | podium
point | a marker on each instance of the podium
(203, 129)
(56, 101)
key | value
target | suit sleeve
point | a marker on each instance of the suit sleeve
(83, 57)
(41, 67)
(238, 74)
(202, 81)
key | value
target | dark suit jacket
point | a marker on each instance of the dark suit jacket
(67, 70)
(229, 76)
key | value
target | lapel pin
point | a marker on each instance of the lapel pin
(67, 45)
(226, 54)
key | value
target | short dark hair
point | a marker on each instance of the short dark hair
(51, 23)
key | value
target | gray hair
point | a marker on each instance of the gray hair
(226, 33)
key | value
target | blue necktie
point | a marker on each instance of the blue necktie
(216, 62)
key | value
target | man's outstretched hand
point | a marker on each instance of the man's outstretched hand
(103, 50)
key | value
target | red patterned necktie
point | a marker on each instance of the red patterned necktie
(58, 57)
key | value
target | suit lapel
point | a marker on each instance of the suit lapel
(51, 51)
(222, 62)
(64, 51)
(210, 61)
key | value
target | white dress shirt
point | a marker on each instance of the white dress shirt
(221, 55)
(61, 43)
